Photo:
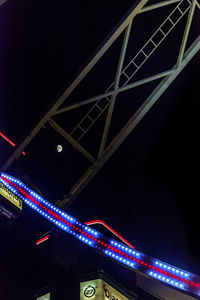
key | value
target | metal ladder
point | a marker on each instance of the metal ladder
(132, 68)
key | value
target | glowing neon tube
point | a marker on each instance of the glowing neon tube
(133, 259)
(9, 141)
(111, 229)
(45, 238)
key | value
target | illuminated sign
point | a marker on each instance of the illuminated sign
(12, 198)
(44, 297)
(89, 291)
(98, 289)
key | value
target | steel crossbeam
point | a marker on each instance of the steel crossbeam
(124, 27)
(105, 46)
(131, 124)
(158, 5)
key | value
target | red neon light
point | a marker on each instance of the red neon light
(109, 228)
(9, 141)
(43, 239)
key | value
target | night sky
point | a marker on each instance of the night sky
(149, 189)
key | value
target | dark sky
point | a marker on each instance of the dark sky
(148, 191)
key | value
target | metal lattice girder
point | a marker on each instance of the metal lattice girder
(106, 151)
(101, 105)
(132, 123)
(105, 46)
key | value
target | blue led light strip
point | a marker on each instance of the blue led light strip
(121, 253)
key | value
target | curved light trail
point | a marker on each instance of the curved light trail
(133, 259)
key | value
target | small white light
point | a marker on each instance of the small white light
(59, 148)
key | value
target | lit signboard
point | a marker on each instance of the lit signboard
(12, 198)
(98, 289)
(44, 297)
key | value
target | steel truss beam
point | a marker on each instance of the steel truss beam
(131, 124)
(106, 151)
(158, 5)
(115, 92)
(116, 84)
(60, 130)
(105, 46)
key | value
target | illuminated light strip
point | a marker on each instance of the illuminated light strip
(45, 238)
(112, 230)
(9, 141)
(133, 259)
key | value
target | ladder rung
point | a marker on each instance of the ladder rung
(142, 51)
(125, 74)
(162, 32)
(80, 128)
(99, 107)
(171, 21)
(135, 64)
(180, 10)
(90, 118)
(108, 101)
(153, 43)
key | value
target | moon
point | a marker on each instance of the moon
(59, 148)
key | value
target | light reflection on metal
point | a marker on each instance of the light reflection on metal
(133, 259)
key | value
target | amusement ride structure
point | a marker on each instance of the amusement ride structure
(181, 13)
